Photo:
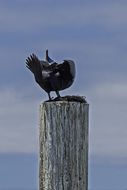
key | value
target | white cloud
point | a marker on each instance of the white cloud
(111, 91)
(19, 121)
(108, 131)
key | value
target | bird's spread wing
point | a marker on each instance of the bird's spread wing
(34, 65)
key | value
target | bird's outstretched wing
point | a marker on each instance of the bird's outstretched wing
(34, 65)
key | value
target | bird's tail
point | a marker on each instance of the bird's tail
(33, 64)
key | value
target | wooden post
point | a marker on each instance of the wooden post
(63, 146)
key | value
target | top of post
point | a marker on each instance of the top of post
(79, 99)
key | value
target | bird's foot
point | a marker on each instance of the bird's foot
(49, 96)
(58, 94)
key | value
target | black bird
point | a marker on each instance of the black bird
(50, 75)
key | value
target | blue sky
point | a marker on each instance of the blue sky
(93, 34)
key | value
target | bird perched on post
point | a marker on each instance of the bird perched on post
(50, 75)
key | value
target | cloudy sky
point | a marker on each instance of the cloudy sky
(92, 33)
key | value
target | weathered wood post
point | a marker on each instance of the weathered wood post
(63, 146)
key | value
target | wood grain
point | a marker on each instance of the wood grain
(63, 138)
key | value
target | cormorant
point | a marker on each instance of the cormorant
(50, 75)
